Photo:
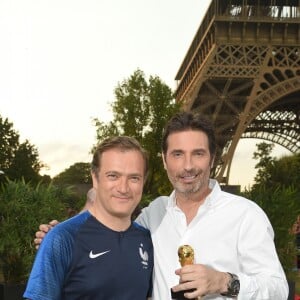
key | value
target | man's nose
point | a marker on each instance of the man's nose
(188, 162)
(123, 185)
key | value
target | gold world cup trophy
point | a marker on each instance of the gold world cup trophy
(186, 257)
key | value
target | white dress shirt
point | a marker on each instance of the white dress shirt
(229, 233)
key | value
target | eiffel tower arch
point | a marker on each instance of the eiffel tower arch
(242, 70)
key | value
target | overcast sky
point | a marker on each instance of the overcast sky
(60, 61)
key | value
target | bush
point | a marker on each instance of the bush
(22, 208)
(282, 207)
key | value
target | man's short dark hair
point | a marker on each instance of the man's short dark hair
(184, 121)
(124, 143)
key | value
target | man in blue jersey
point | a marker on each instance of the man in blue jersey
(100, 254)
(232, 238)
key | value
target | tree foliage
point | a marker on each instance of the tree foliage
(22, 208)
(277, 191)
(282, 206)
(9, 141)
(78, 173)
(25, 163)
(141, 109)
(273, 172)
(284, 171)
(263, 155)
(18, 160)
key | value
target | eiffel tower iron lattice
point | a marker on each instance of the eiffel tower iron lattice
(242, 70)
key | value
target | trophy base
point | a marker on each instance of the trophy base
(180, 295)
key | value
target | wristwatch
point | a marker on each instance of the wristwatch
(233, 286)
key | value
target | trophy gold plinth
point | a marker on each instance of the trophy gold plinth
(186, 257)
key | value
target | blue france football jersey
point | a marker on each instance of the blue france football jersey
(83, 259)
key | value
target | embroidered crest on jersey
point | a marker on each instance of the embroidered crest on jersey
(144, 256)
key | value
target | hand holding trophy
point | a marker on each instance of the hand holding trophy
(186, 257)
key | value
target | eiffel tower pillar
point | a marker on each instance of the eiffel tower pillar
(242, 70)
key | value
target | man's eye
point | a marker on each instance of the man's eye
(177, 154)
(135, 179)
(112, 176)
(200, 153)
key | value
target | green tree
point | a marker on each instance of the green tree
(277, 191)
(263, 155)
(282, 206)
(78, 173)
(273, 172)
(78, 179)
(9, 141)
(25, 164)
(18, 160)
(141, 109)
(22, 208)
(284, 171)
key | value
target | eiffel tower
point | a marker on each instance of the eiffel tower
(242, 70)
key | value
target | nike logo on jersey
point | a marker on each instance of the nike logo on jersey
(92, 255)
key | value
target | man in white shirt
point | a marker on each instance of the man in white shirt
(235, 255)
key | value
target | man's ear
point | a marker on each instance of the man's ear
(164, 160)
(94, 180)
(212, 162)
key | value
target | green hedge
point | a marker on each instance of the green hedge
(22, 208)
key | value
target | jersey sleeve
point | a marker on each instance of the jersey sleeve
(50, 267)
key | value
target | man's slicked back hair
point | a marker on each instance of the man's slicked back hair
(184, 121)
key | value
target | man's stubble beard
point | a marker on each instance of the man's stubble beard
(193, 188)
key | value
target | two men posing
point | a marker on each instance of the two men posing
(235, 256)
